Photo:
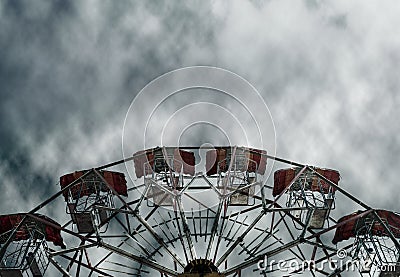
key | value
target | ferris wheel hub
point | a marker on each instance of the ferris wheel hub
(201, 267)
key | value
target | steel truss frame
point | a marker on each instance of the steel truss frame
(143, 240)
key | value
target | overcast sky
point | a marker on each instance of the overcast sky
(328, 71)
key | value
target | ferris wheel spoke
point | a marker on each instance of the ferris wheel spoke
(136, 231)
(240, 238)
(291, 235)
(136, 214)
(59, 267)
(91, 268)
(222, 228)
(159, 239)
(186, 229)
(246, 247)
(214, 228)
(78, 270)
(259, 257)
(66, 251)
(131, 235)
(142, 260)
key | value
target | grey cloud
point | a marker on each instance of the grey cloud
(329, 76)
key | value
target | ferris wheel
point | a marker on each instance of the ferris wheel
(196, 211)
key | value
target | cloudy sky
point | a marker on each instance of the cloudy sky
(328, 71)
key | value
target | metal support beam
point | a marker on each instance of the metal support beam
(59, 267)
(186, 229)
(214, 227)
(144, 223)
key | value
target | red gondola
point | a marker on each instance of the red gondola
(9, 222)
(283, 178)
(247, 159)
(82, 188)
(367, 224)
(163, 159)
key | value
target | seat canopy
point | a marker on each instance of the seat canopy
(246, 159)
(162, 159)
(87, 185)
(283, 178)
(367, 224)
(44, 226)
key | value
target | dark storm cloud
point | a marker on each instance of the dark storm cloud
(68, 72)
(327, 70)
